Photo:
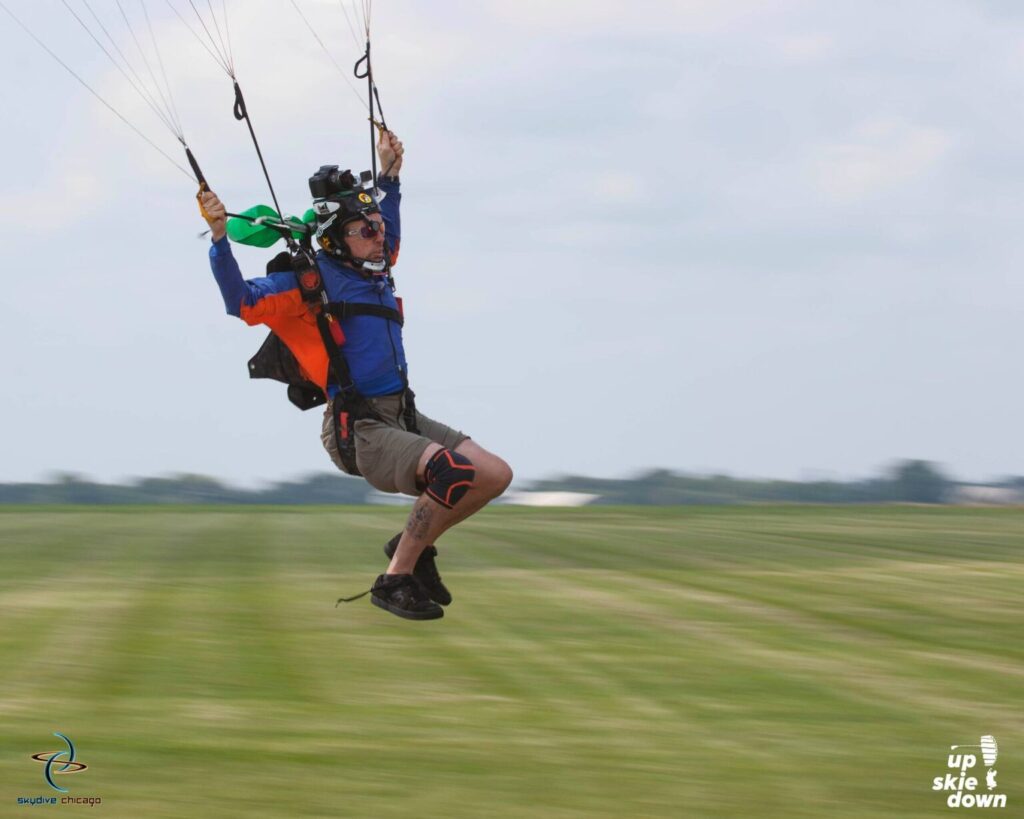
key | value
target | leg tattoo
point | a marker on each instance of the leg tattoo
(420, 519)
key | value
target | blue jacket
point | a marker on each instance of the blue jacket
(373, 346)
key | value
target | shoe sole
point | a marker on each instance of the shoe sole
(408, 615)
(389, 552)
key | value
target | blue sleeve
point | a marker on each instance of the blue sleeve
(228, 276)
(390, 209)
(258, 298)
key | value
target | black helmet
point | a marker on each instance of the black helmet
(340, 198)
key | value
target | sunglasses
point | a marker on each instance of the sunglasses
(367, 230)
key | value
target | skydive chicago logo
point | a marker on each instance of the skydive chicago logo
(56, 763)
(69, 765)
(963, 785)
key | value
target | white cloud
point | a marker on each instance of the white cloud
(695, 16)
(806, 48)
(881, 155)
(615, 188)
(54, 202)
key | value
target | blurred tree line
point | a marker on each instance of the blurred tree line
(322, 488)
(903, 482)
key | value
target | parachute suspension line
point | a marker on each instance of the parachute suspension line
(167, 99)
(224, 48)
(172, 108)
(224, 59)
(341, 71)
(241, 113)
(166, 110)
(147, 99)
(227, 33)
(90, 89)
(224, 66)
(372, 95)
(380, 110)
(352, 28)
(135, 80)
(367, 74)
(142, 53)
(367, 9)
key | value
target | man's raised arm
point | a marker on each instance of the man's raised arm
(252, 301)
(391, 151)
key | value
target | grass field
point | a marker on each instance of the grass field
(656, 662)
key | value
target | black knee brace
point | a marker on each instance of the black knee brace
(449, 476)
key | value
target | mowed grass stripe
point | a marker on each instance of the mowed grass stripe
(91, 670)
(593, 649)
(881, 675)
(643, 723)
(844, 601)
(897, 612)
(148, 654)
(527, 647)
(257, 621)
(51, 645)
(866, 679)
(596, 662)
(896, 602)
(90, 614)
(552, 718)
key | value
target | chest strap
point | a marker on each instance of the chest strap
(347, 309)
(349, 403)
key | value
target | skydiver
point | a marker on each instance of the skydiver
(396, 448)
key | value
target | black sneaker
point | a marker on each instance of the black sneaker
(403, 595)
(425, 571)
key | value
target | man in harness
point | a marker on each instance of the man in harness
(338, 320)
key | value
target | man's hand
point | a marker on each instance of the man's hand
(390, 150)
(214, 213)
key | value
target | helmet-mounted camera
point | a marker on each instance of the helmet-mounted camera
(329, 182)
(339, 198)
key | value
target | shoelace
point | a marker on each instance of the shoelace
(376, 587)
(350, 599)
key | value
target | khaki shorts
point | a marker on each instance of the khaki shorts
(386, 452)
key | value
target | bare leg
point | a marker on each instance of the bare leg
(419, 532)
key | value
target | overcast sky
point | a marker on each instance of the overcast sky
(773, 238)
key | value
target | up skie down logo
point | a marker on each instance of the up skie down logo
(54, 765)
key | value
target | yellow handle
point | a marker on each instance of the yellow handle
(199, 198)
